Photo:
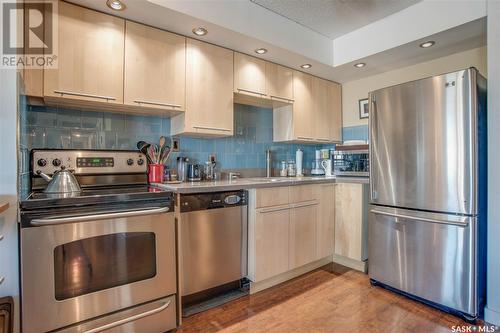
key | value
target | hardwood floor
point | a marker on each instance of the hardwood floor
(330, 299)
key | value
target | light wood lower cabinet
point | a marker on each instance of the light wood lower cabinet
(303, 236)
(283, 229)
(209, 92)
(155, 68)
(90, 56)
(351, 202)
(326, 221)
(271, 243)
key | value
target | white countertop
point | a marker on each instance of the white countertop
(259, 182)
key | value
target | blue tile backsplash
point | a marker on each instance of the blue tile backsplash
(47, 127)
(355, 133)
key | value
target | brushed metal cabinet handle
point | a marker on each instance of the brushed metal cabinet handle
(304, 204)
(71, 93)
(213, 128)
(251, 91)
(282, 98)
(273, 209)
(1, 237)
(2, 279)
(157, 103)
(129, 319)
(105, 216)
(416, 218)
(305, 138)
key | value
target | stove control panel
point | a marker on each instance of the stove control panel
(88, 161)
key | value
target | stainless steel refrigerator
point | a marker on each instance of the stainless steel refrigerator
(427, 221)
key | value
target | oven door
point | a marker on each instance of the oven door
(75, 268)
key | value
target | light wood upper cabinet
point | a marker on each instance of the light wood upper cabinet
(90, 56)
(325, 234)
(209, 91)
(302, 234)
(351, 220)
(249, 75)
(322, 109)
(303, 109)
(155, 68)
(271, 243)
(279, 82)
(335, 111)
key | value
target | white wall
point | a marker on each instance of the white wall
(355, 90)
(492, 311)
(8, 187)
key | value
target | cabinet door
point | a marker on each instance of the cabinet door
(302, 234)
(326, 221)
(322, 117)
(90, 58)
(303, 114)
(271, 242)
(349, 220)
(249, 75)
(335, 111)
(155, 68)
(209, 89)
(279, 82)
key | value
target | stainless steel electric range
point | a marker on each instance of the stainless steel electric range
(102, 258)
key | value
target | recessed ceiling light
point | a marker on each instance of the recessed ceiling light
(427, 44)
(115, 4)
(306, 66)
(261, 50)
(360, 65)
(200, 31)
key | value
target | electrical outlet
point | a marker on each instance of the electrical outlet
(176, 144)
(211, 158)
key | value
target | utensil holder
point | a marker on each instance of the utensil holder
(155, 173)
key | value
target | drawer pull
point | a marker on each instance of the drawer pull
(416, 218)
(1, 237)
(129, 319)
(71, 93)
(304, 204)
(157, 103)
(2, 279)
(213, 128)
(274, 209)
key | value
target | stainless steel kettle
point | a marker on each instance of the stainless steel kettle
(63, 181)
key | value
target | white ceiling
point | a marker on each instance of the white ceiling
(334, 18)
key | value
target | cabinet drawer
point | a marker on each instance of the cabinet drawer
(302, 193)
(273, 196)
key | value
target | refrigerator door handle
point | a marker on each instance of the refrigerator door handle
(418, 218)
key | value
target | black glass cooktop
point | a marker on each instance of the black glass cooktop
(95, 196)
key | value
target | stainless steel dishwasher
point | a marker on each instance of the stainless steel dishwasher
(213, 236)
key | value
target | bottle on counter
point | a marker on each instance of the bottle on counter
(291, 169)
(283, 170)
(299, 155)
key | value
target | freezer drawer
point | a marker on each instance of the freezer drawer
(429, 255)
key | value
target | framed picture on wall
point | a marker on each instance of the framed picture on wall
(363, 108)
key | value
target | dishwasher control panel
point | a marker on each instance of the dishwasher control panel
(202, 201)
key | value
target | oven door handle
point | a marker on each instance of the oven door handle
(105, 216)
(129, 319)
